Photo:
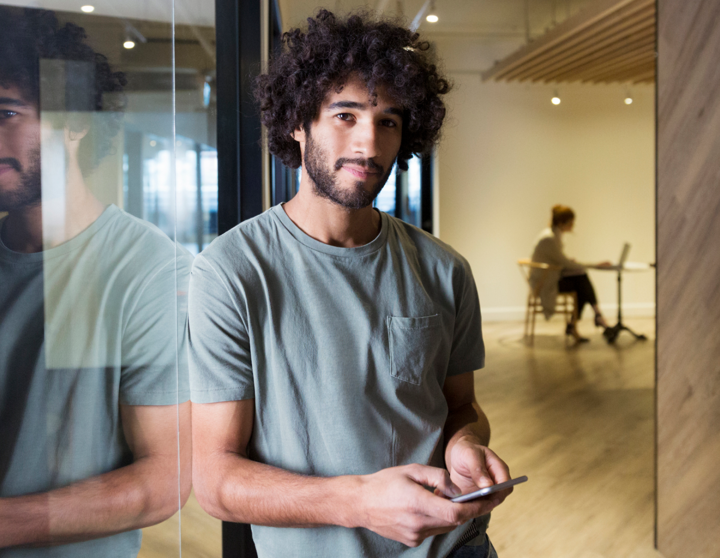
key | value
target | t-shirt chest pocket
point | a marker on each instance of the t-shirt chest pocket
(414, 344)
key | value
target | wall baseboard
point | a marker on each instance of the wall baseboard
(517, 313)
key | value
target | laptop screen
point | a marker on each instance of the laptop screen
(624, 254)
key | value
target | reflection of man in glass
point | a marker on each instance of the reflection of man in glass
(88, 325)
(333, 346)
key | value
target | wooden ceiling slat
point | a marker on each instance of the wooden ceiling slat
(565, 73)
(592, 49)
(611, 30)
(622, 73)
(621, 78)
(601, 32)
(620, 64)
(612, 40)
(557, 35)
(646, 49)
(558, 72)
(647, 77)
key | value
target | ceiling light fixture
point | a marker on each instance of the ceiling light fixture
(88, 9)
(132, 36)
(432, 16)
(628, 98)
(556, 99)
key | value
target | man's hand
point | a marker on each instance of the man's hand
(473, 466)
(394, 504)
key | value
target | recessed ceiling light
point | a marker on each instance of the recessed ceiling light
(129, 44)
(432, 18)
(628, 100)
(88, 9)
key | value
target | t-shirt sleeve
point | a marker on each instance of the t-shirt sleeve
(468, 349)
(220, 357)
(154, 363)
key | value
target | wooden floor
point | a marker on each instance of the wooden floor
(201, 535)
(578, 420)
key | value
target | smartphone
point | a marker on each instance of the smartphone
(489, 490)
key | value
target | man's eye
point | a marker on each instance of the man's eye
(345, 116)
(7, 113)
(390, 123)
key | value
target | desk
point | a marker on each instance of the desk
(611, 333)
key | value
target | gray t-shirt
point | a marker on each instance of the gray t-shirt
(85, 327)
(345, 351)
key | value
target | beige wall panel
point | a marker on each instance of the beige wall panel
(508, 155)
(688, 388)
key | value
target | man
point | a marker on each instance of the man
(332, 346)
(88, 371)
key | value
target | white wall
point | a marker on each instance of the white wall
(507, 155)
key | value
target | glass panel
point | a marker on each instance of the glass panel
(411, 187)
(385, 200)
(108, 185)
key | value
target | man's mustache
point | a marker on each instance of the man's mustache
(366, 163)
(14, 163)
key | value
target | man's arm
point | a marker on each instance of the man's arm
(471, 464)
(391, 502)
(138, 495)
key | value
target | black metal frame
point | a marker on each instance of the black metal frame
(238, 44)
(426, 194)
(238, 121)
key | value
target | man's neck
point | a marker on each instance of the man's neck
(330, 223)
(23, 230)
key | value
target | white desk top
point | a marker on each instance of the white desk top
(629, 266)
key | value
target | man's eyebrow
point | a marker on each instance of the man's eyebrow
(361, 106)
(9, 101)
(346, 104)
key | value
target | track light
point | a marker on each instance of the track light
(87, 8)
(556, 99)
(129, 43)
(432, 16)
(628, 98)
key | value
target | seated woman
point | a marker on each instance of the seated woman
(569, 276)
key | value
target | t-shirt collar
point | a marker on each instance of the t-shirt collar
(373, 246)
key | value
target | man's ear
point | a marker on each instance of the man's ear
(299, 134)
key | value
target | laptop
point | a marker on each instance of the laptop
(624, 255)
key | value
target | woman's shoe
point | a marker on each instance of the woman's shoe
(599, 321)
(571, 330)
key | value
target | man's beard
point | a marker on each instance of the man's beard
(29, 190)
(325, 183)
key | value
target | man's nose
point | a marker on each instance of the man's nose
(365, 140)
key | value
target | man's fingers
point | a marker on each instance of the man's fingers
(496, 467)
(476, 466)
(433, 477)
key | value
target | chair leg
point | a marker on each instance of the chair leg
(532, 326)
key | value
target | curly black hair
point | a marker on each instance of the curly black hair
(382, 53)
(28, 36)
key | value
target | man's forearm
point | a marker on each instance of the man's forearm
(467, 420)
(245, 491)
(141, 494)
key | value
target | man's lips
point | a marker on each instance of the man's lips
(359, 172)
